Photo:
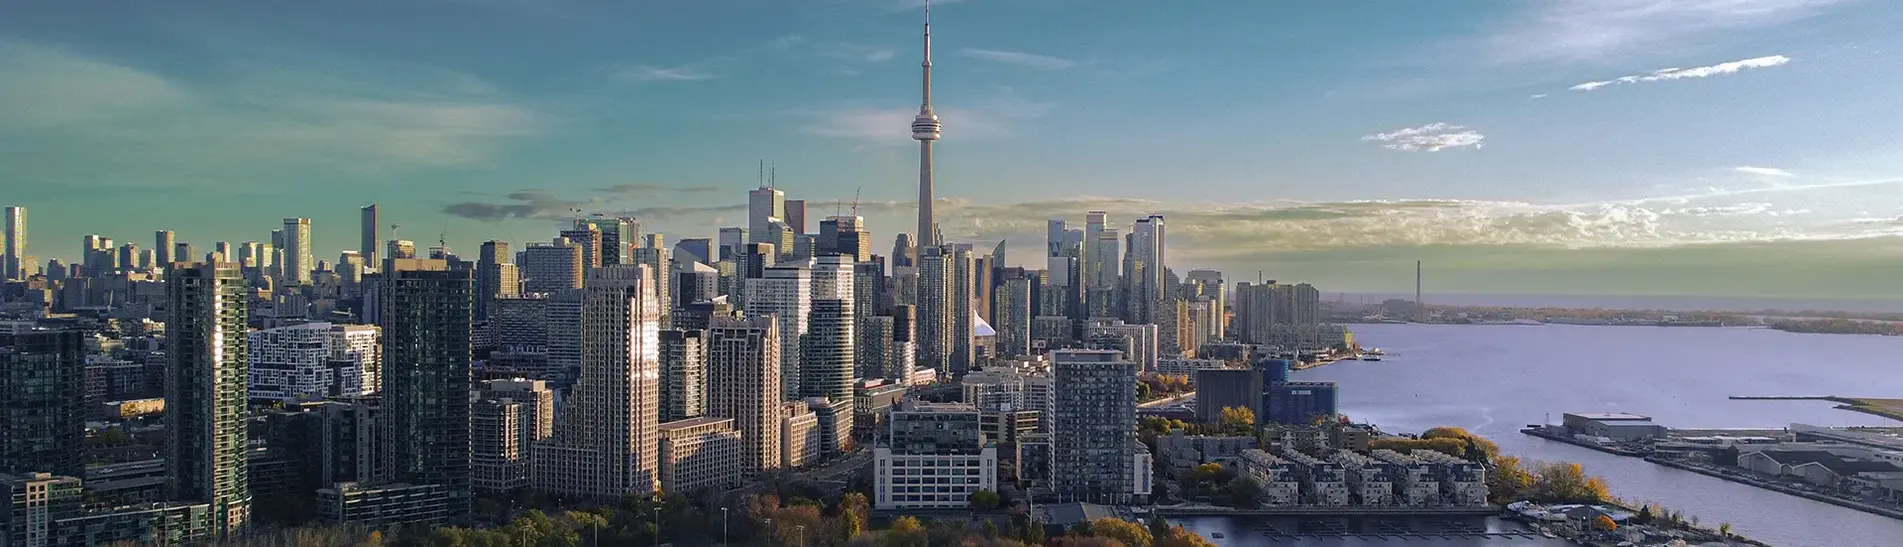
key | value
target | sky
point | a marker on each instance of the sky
(1631, 147)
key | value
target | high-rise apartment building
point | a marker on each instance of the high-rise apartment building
(743, 383)
(698, 454)
(749, 265)
(606, 441)
(826, 364)
(960, 307)
(932, 456)
(795, 215)
(297, 251)
(683, 374)
(42, 422)
(13, 256)
(903, 254)
(367, 230)
(1011, 315)
(658, 260)
(784, 293)
(765, 205)
(617, 236)
(311, 361)
(1208, 284)
(206, 448)
(935, 272)
(424, 311)
(1095, 427)
(552, 267)
(399, 248)
(506, 420)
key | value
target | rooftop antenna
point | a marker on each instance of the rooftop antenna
(773, 177)
(763, 172)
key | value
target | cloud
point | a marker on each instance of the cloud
(649, 73)
(1016, 58)
(1762, 171)
(1681, 73)
(855, 52)
(543, 205)
(1538, 96)
(1585, 30)
(244, 121)
(1432, 137)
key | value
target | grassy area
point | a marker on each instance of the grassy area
(1888, 408)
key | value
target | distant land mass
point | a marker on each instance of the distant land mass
(1736, 304)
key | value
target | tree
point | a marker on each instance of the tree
(985, 500)
(1123, 531)
(1463, 435)
(906, 532)
(1178, 537)
(1567, 483)
(853, 509)
(1244, 492)
(1724, 530)
(1507, 482)
(1645, 515)
(1086, 541)
(1604, 524)
(1238, 419)
(1159, 526)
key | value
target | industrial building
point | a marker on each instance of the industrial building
(1615, 426)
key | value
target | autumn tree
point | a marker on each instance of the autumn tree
(1238, 419)
(1507, 482)
(1086, 541)
(906, 531)
(1568, 483)
(1126, 532)
(1178, 537)
(1604, 524)
(853, 513)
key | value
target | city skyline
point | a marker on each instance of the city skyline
(1602, 171)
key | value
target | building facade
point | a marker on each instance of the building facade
(698, 454)
(606, 441)
(743, 380)
(42, 412)
(933, 456)
(206, 449)
(426, 318)
(1094, 426)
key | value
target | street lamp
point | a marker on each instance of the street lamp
(802, 529)
(769, 532)
(723, 527)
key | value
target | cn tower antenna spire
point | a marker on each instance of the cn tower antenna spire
(925, 129)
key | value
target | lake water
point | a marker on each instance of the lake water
(1494, 380)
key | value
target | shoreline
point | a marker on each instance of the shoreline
(1871, 509)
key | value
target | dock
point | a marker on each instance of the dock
(1568, 439)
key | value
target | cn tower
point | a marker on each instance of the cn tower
(925, 130)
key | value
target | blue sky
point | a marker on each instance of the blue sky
(1569, 146)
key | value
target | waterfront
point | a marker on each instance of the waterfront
(1467, 532)
(1495, 379)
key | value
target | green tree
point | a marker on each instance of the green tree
(1123, 531)
(1724, 530)
(853, 513)
(1238, 419)
(985, 500)
(1244, 492)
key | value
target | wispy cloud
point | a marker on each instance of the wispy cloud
(649, 73)
(1432, 137)
(1762, 171)
(1018, 58)
(248, 121)
(1664, 74)
(543, 205)
(1598, 29)
(855, 52)
(1538, 96)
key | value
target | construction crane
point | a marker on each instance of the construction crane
(855, 201)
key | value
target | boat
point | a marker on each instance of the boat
(1371, 357)
(1216, 535)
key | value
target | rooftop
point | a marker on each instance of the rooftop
(694, 422)
(1611, 416)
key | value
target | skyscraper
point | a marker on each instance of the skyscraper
(743, 381)
(764, 206)
(731, 238)
(1012, 317)
(683, 374)
(1143, 266)
(206, 441)
(826, 367)
(1094, 430)
(297, 251)
(367, 242)
(507, 418)
(424, 310)
(551, 267)
(657, 259)
(13, 257)
(795, 215)
(784, 292)
(695, 282)
(589, 238)
(42, 422)
(496, 276)
(162, 244)
(903, 253)
(606, 440)
(934, 313)
(925, 130)
(846, 235)
(961, 311)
